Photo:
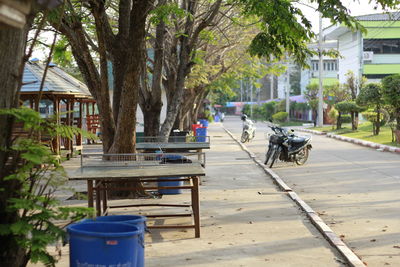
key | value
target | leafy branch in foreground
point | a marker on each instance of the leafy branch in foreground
(38, 219)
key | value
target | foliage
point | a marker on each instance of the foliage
(285, 29)
(370, 95)
(246, 109)
(281, 106)
(280, 116)
(372, 116)
(345, 118)
(311, 94)
(269, 109)
(336, 93)
(348, 107)
(333, 115)
(299, 106)
(40, 174)
(391, 94)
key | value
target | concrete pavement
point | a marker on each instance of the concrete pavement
(246, 220)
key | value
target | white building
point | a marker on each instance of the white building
(374, 54)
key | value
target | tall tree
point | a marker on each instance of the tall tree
(371, 96)
(118, 36)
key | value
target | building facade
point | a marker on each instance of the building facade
(373, 54)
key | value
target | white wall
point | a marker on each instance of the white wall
(350, 49)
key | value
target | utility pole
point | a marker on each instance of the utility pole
(287, 89)
(251, 99)
(241, 90)
(272, 86)
(320, 112)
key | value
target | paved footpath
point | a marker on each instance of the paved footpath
(354, 189)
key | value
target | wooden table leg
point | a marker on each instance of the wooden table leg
(196, 205)
(104, 195)
(90, 193)
(199, 158)
(98, 198)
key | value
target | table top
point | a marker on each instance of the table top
(189, 145)
(135, 172)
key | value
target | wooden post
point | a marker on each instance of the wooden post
(79, 137)
(196, 205)
(71, 141)
(56, 110)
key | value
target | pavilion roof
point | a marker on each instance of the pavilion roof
(57, 81)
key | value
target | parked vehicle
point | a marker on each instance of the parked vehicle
(249, 130)
(286, 146)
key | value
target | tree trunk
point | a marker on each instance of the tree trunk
(151, 117)
(355, 126)
(150, 101)
(339, 121)
(12, 46)
(378, 122)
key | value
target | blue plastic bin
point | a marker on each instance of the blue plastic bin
(165, 182)
(204, 122)
(201, 134)
(103, 244)
(135, 220)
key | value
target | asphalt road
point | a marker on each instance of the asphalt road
(355, 190)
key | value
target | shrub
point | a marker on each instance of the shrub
(333, 115)
(269, 109)
(280, 116)
(345, 118)
(391, 94)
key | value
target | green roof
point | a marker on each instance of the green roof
(381, 68)
(325, 81)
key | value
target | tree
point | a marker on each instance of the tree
(347, 107)
(311, 94)
(371, 96)
(352, 86)
(391, 95)
(116, 37)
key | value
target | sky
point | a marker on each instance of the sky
(357, 8)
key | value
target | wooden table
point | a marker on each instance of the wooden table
(100, 177)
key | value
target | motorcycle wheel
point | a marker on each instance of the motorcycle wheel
(267, 156)
(245, 137)
(302, 156)
(275, 156)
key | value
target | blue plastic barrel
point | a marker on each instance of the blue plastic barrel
(135, 220)
(103, 244)
(201, 134)
(174, 159)
(204, 122)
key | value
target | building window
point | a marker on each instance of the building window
(328, 65)
(382, 46)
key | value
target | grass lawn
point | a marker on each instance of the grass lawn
(364, 132)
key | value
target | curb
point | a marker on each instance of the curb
(350, 257)
(355, 141)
